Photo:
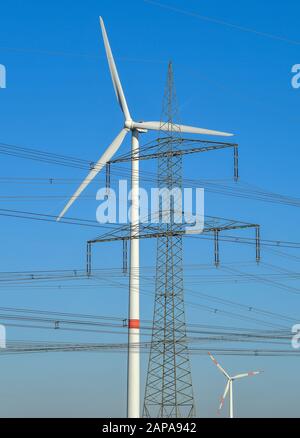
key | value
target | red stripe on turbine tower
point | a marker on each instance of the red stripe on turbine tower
(134, 324)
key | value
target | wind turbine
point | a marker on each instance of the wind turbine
(229, 385)
(133, 391)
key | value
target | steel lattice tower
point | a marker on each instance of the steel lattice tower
(169, 391)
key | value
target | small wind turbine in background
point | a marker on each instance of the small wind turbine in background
(229, 386)
(136, 128)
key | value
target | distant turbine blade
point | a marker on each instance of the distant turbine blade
(159, 126)
(224, 396)
(251, 374)
(106, 157)
(114, 74)
(218, 365)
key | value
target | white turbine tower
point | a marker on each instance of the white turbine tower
(133, 396)
(229, 385)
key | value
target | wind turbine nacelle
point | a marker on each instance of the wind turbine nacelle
(129, 124)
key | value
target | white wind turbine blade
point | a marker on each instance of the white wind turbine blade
(114, 73)
(106, 157)
(250, 374)
(159, 126)
(224, 396)
(218, 365)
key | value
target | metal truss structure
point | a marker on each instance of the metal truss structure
(213, 227)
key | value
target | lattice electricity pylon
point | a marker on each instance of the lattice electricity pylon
(169, 389)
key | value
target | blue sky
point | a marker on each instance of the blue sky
(232, 66)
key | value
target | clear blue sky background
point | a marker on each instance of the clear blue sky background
(59, 98)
